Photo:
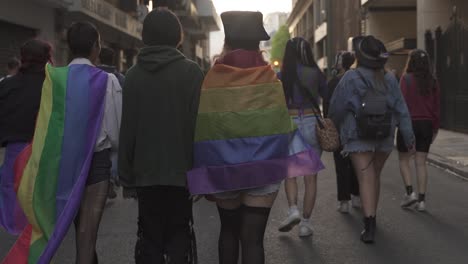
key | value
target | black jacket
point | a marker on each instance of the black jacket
(160, 104)
(20, 97)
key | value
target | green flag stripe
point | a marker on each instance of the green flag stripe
(230, 125)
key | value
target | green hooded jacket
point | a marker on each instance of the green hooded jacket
(160, 103)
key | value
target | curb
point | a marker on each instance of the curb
(447, 164)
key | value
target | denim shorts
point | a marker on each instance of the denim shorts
(307, 136)
(260, 191)
(358, 145)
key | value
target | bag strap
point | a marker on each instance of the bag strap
(315, 105)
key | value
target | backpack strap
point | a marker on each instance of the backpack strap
(315, 105)
(361, 76)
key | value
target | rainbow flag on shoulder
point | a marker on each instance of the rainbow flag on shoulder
(243, 133)
(51, 173)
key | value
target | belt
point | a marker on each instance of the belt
(296, 112)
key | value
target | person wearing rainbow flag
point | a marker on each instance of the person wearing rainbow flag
(64, 174)
(241, 153)
(20, 96)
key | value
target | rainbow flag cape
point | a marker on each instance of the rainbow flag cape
(12, 218)
(243, 133)
(51, 173)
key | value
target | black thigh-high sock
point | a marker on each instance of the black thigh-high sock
(253, 224)
(228, 244)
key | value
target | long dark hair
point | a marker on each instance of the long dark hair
(298, 51)
(36, 54)
(419, 64)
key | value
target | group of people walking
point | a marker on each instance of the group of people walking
(232, 136)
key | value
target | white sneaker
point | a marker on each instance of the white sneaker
(293, 219)
(343, 207)
(356, 201)
(421, 206)
(409, 200)
(305, 229)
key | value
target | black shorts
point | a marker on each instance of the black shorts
(423, 134)
(100, 168)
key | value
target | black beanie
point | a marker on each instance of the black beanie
(162, 28)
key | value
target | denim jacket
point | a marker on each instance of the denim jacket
(346, 101)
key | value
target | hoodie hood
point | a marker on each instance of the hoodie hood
(156, 57)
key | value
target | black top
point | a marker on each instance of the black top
(160, 106)
(20, 97)
(332, 84)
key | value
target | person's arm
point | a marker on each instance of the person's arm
(113, 111)
(401, 109)
(196, 82)
(403, 85)
(436, 120)
(326, 100)
(127, 139)
(338, 105)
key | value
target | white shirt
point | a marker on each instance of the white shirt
(108, 137)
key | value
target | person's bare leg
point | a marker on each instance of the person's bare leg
(405, 168)
(364, 164)
(310, 182)
(365, 172)
(259, 201)
(290, 186)
(379, 163)
(421, 170)
(88, 220)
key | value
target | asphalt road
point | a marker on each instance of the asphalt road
(404, 236)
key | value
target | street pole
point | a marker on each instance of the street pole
(330, 24)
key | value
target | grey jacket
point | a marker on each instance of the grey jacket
(346, 101)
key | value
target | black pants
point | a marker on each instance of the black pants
(346, 178)
(164, 225)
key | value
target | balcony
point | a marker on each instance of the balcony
(109, 15)
(389, 5)
(56, 3)
(401, 46)
(208, 15)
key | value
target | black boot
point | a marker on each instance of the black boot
(368, 234)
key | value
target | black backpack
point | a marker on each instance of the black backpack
(373, 118)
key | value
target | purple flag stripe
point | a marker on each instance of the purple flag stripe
(242, 150)
(217, 179)
(12, 217)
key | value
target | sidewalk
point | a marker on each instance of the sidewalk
(450, 152)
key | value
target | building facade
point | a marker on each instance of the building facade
(327, 25)
(49, 20)
(438, 26)
(18, 24)
(119, 22)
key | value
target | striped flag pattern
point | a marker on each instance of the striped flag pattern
(51, 173)
(243, 133)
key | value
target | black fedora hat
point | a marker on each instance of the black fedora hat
(244, 25)
(370, 52)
